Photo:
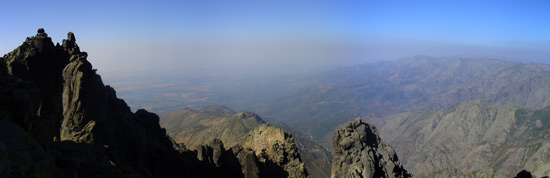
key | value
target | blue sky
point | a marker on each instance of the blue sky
(277, 35)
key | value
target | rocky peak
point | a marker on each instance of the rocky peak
(211, 152)
(61, 107)
(41, 40)
(273, 146)
(41, 32)
(38, 61)
(359, 152)
(70, 45)
(246, 115)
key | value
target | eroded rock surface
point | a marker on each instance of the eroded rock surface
(359, 152)
(275, 148)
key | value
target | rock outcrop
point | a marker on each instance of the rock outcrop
(524, 174)
(65, 113)
(58, 119)
(234, 162)
(275, 148)
(41, 63)
(217, 161)
(359, 152)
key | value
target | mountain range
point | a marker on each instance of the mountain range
(414, 84)
(475, 139)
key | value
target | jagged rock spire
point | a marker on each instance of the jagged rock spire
(70, 45)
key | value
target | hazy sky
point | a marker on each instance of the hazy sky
(280, 36)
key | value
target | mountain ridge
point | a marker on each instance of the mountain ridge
(195, 127)
(414, 84)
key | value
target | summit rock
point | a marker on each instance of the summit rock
(358, 151)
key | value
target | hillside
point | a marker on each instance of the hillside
(197, 127)
(473, 138)
(523, 83)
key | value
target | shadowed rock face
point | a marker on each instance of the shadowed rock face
(68, 111)
(358, 152)
(58, 119)
(38, 61)
(524, 174)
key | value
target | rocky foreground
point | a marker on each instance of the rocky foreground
(58, 119)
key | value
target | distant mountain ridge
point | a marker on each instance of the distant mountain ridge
(414, 84)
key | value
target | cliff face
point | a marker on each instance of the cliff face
(359, 152)
(58, 119)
